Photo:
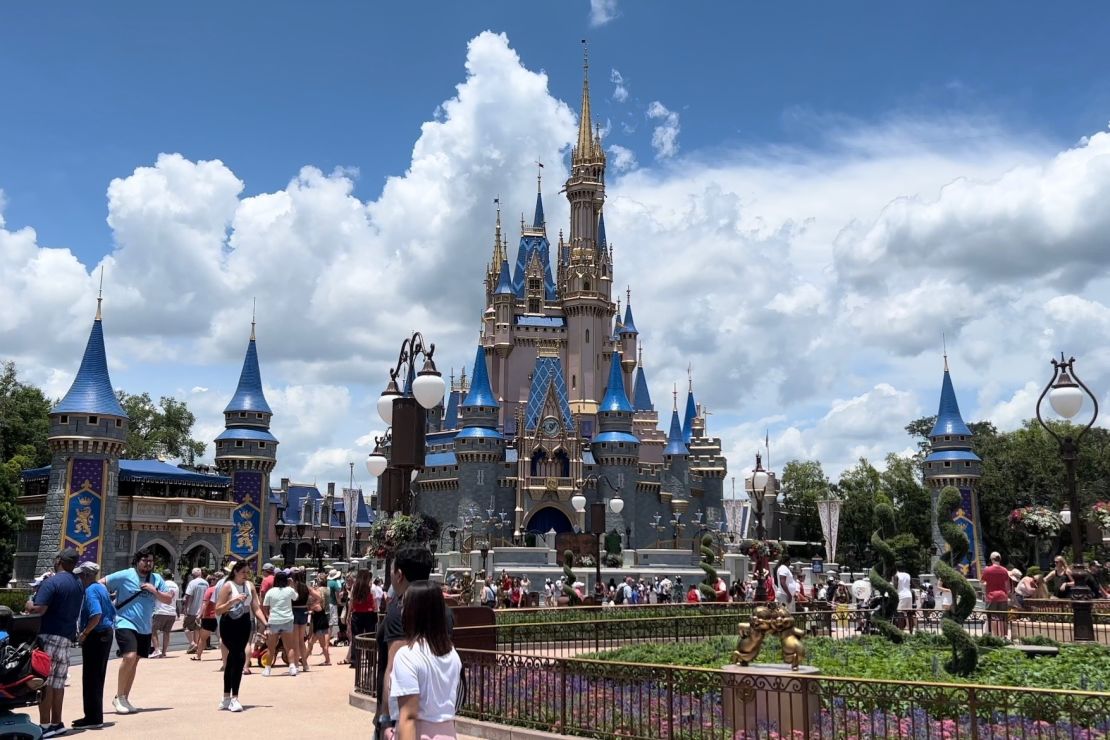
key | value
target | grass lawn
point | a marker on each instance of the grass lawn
(921, 658)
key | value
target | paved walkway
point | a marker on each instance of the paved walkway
(179, 696)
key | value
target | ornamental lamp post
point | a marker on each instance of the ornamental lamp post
(597, 514)
(1066, 392)
(404, 412)
(757, 490)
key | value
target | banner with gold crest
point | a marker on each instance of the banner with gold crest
(83, 528)
(246, 518)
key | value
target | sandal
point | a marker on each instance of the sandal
(326, 662)
(344, 661)
(194, 658)
(246, 671)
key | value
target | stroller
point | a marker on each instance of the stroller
(23, 672)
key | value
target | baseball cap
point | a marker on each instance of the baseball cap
(67, 555)
(86, 567)
(268, 566)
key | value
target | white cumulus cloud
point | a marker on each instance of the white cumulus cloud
(602, 11)
(664, 137)
(620, 90)
(621, 158)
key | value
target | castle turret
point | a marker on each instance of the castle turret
(629, 336)
(478, 439)
(688, 423)
(952, 462)
(247, 452)
(88, 434)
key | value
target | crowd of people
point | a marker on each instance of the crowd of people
(281, 616)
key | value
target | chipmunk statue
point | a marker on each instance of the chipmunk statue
(751, 636)
(793, 651)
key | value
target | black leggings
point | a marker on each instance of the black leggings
(234, 634)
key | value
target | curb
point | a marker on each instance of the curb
(466, 726)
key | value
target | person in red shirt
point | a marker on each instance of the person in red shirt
(692, 595)
(208, 623)
(997, 585)
(267, 580)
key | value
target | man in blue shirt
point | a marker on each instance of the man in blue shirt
(95, 628)
(136, 590)
(59, 601)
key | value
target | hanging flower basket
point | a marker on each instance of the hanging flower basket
(1036, 521)
(769, 549)
(1100, 515)
(389, 535)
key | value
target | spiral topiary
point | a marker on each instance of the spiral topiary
(881, 573)
(569, 579)
(708, 586)
(965, 655)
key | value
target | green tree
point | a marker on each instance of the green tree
(24, 425)
(913, 506)
(160, 431)
(804, 483)
(860, 489)
(24, 419)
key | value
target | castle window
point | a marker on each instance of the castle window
(261, 445)
(259, 415)
(94, 420)
(119, 422)
(242, 414)
(948, 438)
(63, 420)
(481, 477)
(586, 285)
(238, 443)
(587, 336)
(947, 463)
(533, 305)
(533, 285)
(573, 381)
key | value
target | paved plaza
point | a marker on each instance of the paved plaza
(178, 698)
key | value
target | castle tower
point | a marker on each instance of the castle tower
(479, 446)
(952, 462)
(587, 293)
(629, 338)
(616, 449)
(88, 433)
(247, 452)
(676, 471)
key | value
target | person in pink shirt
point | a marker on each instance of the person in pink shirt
(997, 586)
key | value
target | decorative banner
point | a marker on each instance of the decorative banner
(245, 538)
(84, 508)
(829, 512)
(966, 518)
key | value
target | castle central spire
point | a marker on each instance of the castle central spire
(585, 121)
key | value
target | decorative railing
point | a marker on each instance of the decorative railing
(623, 700)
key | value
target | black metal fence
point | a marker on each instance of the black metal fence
(623, 700)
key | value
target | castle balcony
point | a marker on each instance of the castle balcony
(150, 512)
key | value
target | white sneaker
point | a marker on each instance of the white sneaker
(234, 706)
(292, 670)
(119, 706)
(155, 654)
(131, 708)
(225, 703)
(266, 671)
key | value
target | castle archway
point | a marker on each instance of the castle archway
(548, 518)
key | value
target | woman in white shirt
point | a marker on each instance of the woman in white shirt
(278, 608)
(425, 677)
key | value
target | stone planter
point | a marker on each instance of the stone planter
(765, 697)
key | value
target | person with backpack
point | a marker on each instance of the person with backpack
(58, 601)
(137, 589)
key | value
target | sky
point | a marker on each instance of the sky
(803, 198)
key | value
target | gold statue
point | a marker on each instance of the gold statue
(770, 620)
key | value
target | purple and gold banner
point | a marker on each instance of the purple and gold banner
(83, 523)
(967, 519)
(245, 539)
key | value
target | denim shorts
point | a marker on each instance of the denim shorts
(277, 628)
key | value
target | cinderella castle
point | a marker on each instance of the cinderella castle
(557, 402)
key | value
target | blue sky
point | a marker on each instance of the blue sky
(836, 184)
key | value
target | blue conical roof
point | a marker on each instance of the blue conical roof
(615, 398)
(451, 414)
(91, 392)
(504, 282)
(691, 414)
(628, 326)
(601, 243)
(249, 396)
(675, 445)
(641, 396)
(538, 221)
(480, 392)
(949, 420)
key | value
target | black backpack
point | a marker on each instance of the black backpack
(618, 598)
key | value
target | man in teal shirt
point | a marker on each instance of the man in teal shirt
(136, 589)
